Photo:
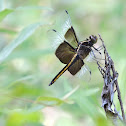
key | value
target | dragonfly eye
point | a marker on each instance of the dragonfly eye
(93, 39)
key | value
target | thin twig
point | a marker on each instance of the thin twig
(119, 94)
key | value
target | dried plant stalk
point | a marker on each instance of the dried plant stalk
(110, 77)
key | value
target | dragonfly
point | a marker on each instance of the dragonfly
(72, 52)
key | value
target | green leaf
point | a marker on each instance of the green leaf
(8, 31)
(23, 35)
(28, 53)
(56, 101)
(4, 13)
(91, 91)
(22, 117)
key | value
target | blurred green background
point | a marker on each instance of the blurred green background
(28, 63)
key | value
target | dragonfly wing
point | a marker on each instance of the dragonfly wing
(76, 66)
(54, 38)
(84, 73)
(65, 52)
(94, 56)
(71, 37)
(69, 32)
(66, 33)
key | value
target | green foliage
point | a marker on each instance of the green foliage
(25, 33)
(56, 101)
(4, 13)
(28, 62)
(19, 117)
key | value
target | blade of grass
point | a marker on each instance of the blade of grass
(23, 35)
(8, 31)
(56, 101)
(4, 13)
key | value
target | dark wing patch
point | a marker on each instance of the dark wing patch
(76, 66)
(65, 52)
(71, 37)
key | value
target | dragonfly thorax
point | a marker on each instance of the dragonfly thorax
(83, 51)
(84, 47)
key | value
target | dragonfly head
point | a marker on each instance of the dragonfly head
(93, 39)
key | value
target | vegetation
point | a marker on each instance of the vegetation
(28, 62)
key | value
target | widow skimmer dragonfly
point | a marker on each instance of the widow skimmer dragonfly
(72, 52)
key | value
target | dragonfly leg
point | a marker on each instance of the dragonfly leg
(100, 48)
(97, 50)
(95, 58)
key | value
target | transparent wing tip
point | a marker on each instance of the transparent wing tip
(66, 11)
(84, 73)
